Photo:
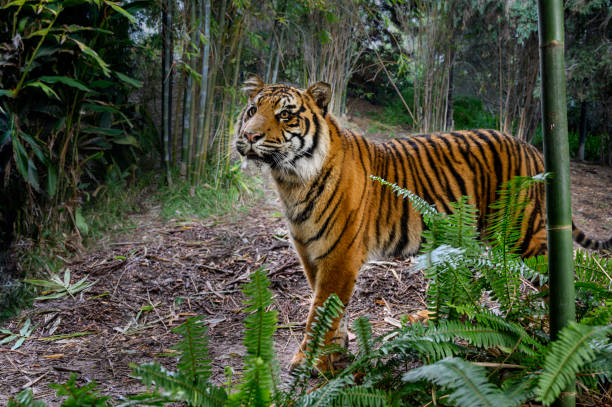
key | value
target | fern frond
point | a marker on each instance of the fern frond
(363, 330)
(600, 369)
(260, 324)
(567, 355)
(25, 399)
(325, 315)
(487, 318)
(427, 210)
(424, 348)
(362, 396)
(260, 364)
(518, 391)
(481, 336)
(506, 220)
(450, 280)
(592, 268)
(179, 386)
(462, 225)
(467, 383)
(326, 394)
(193, 350)
(598, 316)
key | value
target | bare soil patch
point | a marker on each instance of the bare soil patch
(165, 272)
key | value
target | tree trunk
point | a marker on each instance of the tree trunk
(166, 84)
(204, 86)
(582, 130)
(449, 97)
(556, 159)
(188, 99)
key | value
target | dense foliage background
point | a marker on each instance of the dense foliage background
(98, 95)
(74, 113)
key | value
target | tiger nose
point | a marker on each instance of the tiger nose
(253, 137)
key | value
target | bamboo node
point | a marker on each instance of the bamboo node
(553, 43)
(560, 227)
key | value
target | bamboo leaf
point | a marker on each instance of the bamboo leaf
(66, 81)
(45, 88)
(130, 81)
(51, 180)
(115, 6)
(93, 54)
(80, 222)
(7, 92)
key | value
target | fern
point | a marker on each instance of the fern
(506, 220)
(427, 210)
(517, 391)
(25, 399)
(179, 386)
(467, 383)
(567, 355)
(361, 396)
(462, 231)
(193, 350)
(260, 365)
(325, 315)
(325, 395)
(363, 330)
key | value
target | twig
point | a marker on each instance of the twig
(13, 351)
(66, 369)
(602, 269)
(283, 268)
(215, 269)
(32, 382)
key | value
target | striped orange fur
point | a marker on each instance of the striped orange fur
(339, 217)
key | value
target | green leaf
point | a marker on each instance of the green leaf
(7, 93)
(66, 81)
(51, 180)
(130, 81)
(45, 88)
(93, 54)
(80, 222)
(127, 140)
(121, 11)
(574, 349)
(102, 130)
(468, 383)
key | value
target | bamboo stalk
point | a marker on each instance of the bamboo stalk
(166, 81)
(204, 86)
(556, 160)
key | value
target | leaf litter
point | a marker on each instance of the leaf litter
(117, 304)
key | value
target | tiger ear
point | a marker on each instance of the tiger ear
(252, 85)
(321, 93)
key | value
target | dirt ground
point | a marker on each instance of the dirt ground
(152, 280)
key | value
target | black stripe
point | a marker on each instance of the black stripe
(439, 173)
(333, 246)
(311, 200)
(326, 224)
(422, 188)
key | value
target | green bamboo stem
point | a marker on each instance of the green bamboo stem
(556, 160)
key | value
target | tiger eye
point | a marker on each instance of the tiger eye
(251, 111)
(284, 114)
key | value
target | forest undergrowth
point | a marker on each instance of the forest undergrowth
(458, 355)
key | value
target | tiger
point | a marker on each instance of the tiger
(339, 218)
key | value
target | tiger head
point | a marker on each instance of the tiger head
(285, 128)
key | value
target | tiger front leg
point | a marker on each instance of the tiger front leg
(340, 280)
